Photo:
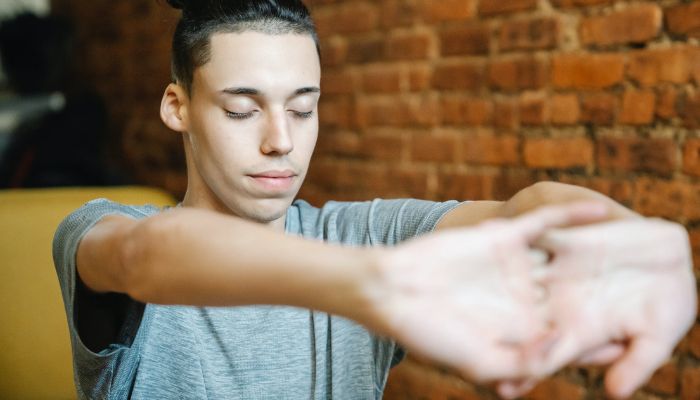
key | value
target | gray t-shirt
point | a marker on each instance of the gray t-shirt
(252, 352)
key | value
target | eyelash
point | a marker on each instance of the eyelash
(242, 116)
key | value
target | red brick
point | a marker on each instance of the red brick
(338, 145)
(665, 380)
(684, 19)
(398, 13)
(346, 18)
(410, 379)
(666, 103)
(464, 186)
(694, 234)
(693, 337)
(518, 74)
(419, 77)
(338, 82)
(556, 388)
(564, 109)
(691, 156)
(532, 34)
(558, 152)
(382, 147)
(637, 154)
(651, 67)
(579, 3)
(598, 108)
(506, 115)
(406, 111)
(618, 190)
(486, 149)
(509, 183)
(588, 71)
(456, 110)
(533, 109)
(365, 50)
(382, 79)
(434, 148)
(333, 52)
(638, 107)
(448, 10)
(690, 383)
(495, 7)
(689, 110)
(460, 75)
(336, 112)
(409, 46)
(661, 198)
(636, 24)
(474, 39)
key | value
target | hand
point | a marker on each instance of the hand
(466, 297)
(625, 282)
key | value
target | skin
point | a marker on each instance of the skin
(253, 109)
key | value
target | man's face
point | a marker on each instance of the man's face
(252, 123)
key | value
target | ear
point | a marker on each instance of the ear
(173, 108)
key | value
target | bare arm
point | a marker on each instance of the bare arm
(537, 195)
(198, 257)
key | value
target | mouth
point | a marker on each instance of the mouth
(274, 181)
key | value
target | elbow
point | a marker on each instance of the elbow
(139, 259)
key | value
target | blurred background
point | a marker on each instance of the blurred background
(435, 99)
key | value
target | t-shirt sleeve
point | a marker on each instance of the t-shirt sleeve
(91, 365)
(380, 222)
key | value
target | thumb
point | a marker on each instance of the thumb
(635, 367)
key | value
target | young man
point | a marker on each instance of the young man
(149, 293)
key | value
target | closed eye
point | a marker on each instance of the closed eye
(235, 115)
(303, 115)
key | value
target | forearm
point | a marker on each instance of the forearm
(196, 257)
(549, 193)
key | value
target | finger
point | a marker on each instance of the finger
(561, 353)
(635, 367)
(603, 355)
(533, 224)
(515, 388)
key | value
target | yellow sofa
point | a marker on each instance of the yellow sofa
(35, 356)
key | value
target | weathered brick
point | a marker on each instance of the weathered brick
(666, 103)
(558, 152)
(638, 107)
(381, 79)
(338, 145)
(693, 337)
(635, 24)
(495, 7)
(518, 73)
(532, 34)
(556, 388)
(672, 65)
(338, 82)
(398, 13)
(564, 109)
(578, 3)
(365, 50)
(434, 148)
(689, 109)
(533, 109)
(346, 18)
(419, 77)
(665, 380)
(336, 112)
(684, 19)
(333, 52)
(691, 156)
(409, 46)
(506, 115)
(662, 198)
(386, 147)
(448, 10)
(457, 110)
(472, 39)
(465, 186)
(407, 111)
(598, 108)
(459, 75)
(690, 383)
(587, 71)
(487, 149)
(637, 154)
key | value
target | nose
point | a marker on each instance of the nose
(277, 138)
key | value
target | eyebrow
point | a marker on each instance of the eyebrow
(255, 92)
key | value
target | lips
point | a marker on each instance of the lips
(274, 181)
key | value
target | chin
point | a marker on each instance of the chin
(266, 210)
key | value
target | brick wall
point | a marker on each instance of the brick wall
(467, 99)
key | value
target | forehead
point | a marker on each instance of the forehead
(269, 63)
